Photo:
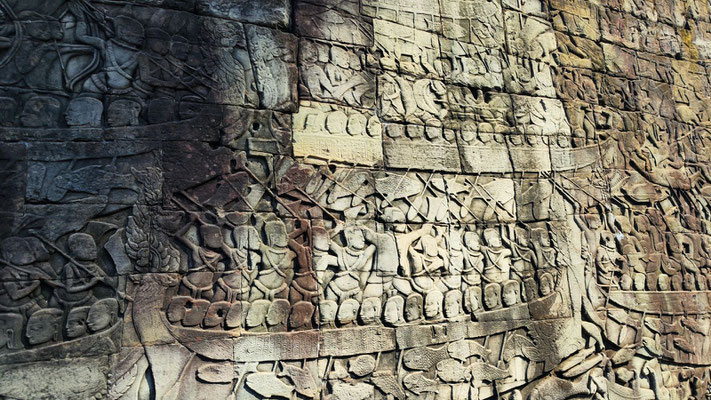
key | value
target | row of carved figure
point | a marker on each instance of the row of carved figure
(39, 305)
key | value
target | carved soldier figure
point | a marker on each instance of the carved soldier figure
(276, 268)
(22, 270)
(79, 280)
(207, 261)
(235, 282)
(355, 262)
(498, 258)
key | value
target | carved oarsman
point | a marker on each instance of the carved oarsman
(355, 261)
(473, 260)
(498, 257)
(79, 283)
(207, 262)
(21, 273)
(607, 259)
(276, 269)
(304, 287)
(235, 282)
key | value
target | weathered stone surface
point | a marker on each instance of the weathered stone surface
(342, 199)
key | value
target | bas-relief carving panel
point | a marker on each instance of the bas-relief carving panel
(376, 199)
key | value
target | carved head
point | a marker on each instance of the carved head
(84, 112)
(43, 326)
(348, 311)
(491, 235)
(354, 237)
(257, 313)
(492, 296)
(123, 112)
(129, 30)
(82, 246)
(300, 315)
(547, 285)
(76, 322)
(393, 310)
(370, 310)
(40, 112)
(471, 240)
(102, 314)
(176, 308)
(276, 234)
(413, 307)
(473, 298)
(245, 237)
(433, 304)
(511, 292)
(17, 251)
(211, 236)
(327, 311)
(452, 303)
(10, 331)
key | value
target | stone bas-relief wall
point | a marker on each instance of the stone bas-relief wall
(355, 199)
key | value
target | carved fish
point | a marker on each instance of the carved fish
(487, 372)
(693, 326)
(303, 380)
(389, 385)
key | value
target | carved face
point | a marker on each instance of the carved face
(413, 308)
(102, 314)
(492, 296)
(41, 327)
(492, 238)
(511, 293)
(546, 284)
(393, 310)
(453, 304)
(355, 238)
(76, 322)
(82, 246)
(433, 304)
(370, 310)
(471, 240)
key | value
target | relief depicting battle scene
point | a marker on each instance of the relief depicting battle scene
(355, 199)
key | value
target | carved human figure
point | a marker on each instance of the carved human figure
(44, 326)
(608, 260)
(11, 331)
(120, 54)
(355, 262)
(301, 315)
(421, 258)
(276, 268)
(473, 261)
(80, 275)
(207, 260)
(76, 325)
(23, 268)
(498, 258)
(304, 286)
(102, 315)
(235, 282)
(492, 296)
(523, 255)
(257, 315)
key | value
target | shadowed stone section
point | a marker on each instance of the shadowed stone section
(374, 199)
